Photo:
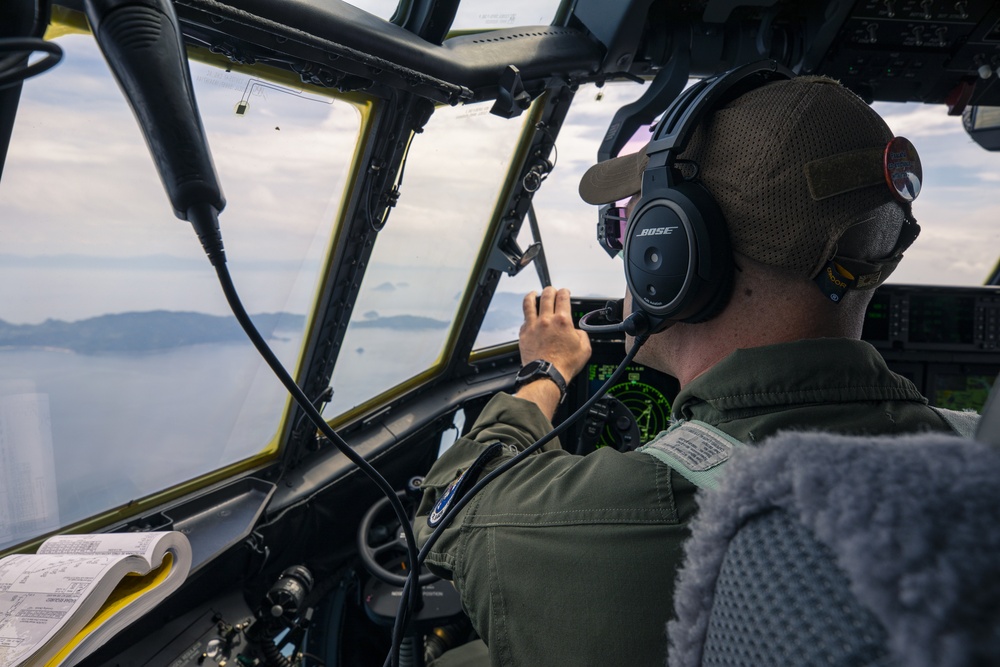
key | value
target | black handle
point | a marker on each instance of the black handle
(142, 43)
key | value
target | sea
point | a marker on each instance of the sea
(121, 426)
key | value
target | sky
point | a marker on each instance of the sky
(88, 229)
(957, 209)
(480, 14)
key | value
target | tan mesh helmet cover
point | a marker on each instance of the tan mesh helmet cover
(751, 156)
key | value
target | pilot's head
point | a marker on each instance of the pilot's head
(805, 176)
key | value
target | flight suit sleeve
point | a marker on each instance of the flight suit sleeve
(557, 532)
(515, 424)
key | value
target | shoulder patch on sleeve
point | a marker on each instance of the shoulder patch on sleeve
(457, 489)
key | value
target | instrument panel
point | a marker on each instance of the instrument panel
(946, 340)
(638, 391)
(928, 50)
(637, 407)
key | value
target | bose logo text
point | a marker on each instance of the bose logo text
(657, 231)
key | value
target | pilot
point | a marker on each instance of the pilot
(570, 560)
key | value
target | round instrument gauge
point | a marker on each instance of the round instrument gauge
(649, 407)
(631, 413)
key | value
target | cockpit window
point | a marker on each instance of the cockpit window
(956, 209)
(124, 372)
(478, 15)
(567, 224)
(382, 8)
(455, 171)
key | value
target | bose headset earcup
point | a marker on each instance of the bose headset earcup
(678, 259)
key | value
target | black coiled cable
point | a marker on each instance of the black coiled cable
(14, 68)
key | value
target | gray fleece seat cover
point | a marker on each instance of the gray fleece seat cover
(891, 546)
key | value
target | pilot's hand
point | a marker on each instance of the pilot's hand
(548, 333)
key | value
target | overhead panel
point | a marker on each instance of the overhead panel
(920, 50)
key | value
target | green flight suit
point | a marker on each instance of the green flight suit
(570, 560)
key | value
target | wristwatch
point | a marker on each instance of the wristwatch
(538, 369)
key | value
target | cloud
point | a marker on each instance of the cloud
(78, 148)
(958, 240)
(924, 120)
(79, 182)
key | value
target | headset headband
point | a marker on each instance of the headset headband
(681, 118)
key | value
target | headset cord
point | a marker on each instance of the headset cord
(303, 401)
(392, 660)
(15, 68)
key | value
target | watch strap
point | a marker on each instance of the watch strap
(540, 369)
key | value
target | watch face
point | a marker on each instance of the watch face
(537, 369)
(530, 369)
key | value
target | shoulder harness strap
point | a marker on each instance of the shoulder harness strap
(961, 422)
(696, 450)
(699, 451)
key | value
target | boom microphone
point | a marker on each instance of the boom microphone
(141, 41)
(638, 323)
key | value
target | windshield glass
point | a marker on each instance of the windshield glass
(123, 370)
(454, 173)
(957, 208)
(381, 8)
(567, 224)
(477, 15)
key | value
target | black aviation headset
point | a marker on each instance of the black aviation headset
(678, 260)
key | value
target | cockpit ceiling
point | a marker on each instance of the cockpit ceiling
(894, 50)
(334, 44)
(941, 52)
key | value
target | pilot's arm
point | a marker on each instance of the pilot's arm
(538, 553)
(517, 421)
(548, 334)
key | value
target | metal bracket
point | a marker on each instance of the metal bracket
(512, 98)
(666, 85)
(507, 255)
